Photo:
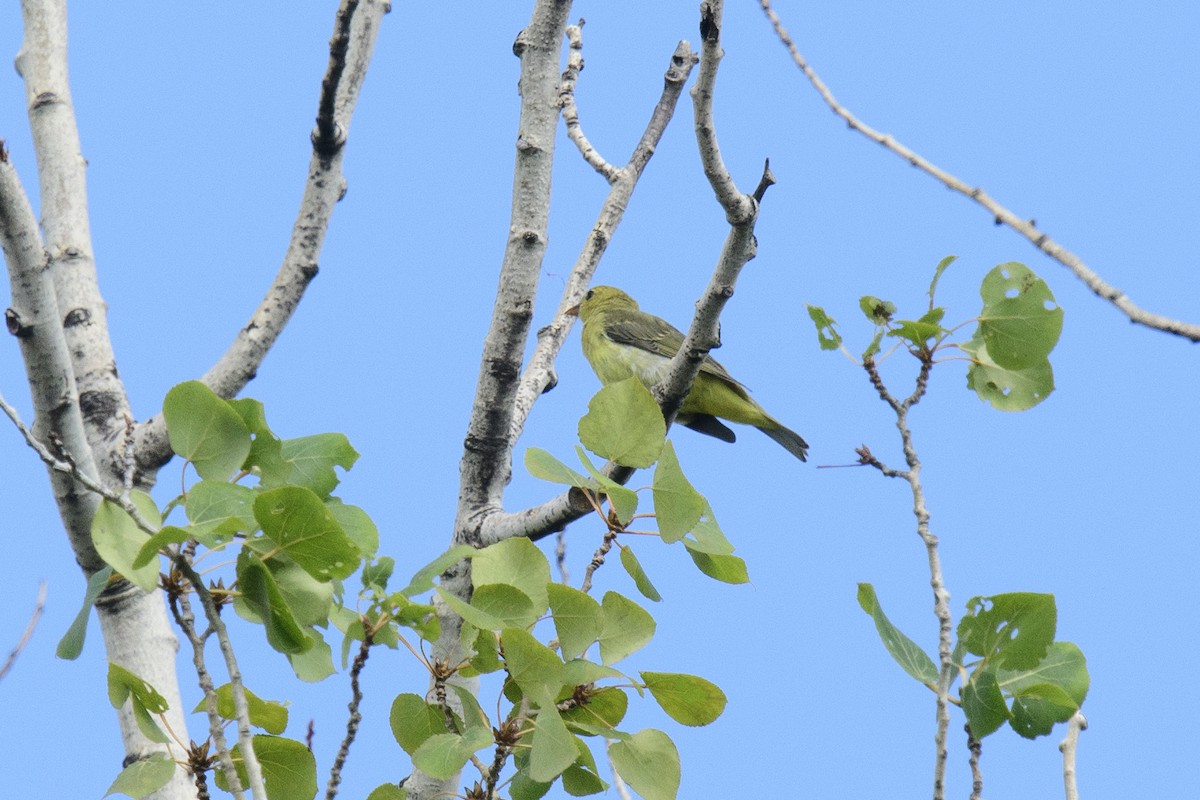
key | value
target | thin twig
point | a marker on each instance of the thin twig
(181, 609)
(1000, 214)
(360, 661)
(570, 112)
(976, 749)
(1069, 745)
(598, 560)
(38, 606)
(941, 596)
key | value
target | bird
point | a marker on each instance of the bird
(621, 341)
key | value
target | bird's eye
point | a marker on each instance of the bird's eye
(588, 296)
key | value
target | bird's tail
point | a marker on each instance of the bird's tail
(791, 441)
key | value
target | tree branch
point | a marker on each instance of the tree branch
(27, 633)
(539, 376)
(1075, 725)
(941, 596)
(34, 319)
(81, 311)
(570, 112)
(1001, 215)
(350, 51)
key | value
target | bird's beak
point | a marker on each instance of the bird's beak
(573, 311)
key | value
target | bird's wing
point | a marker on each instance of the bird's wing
(656, 335)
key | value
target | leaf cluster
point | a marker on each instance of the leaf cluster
(1009, 667)
(1018, 326)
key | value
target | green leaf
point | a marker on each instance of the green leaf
(313, 458)
(143, 698)
(167, 535)
(477, 617)
(119, 540)
(206, 430)
(71, 644)
(288, 768)
(517, 562)
(624, 424)
(937, 274)
(1007, 389)
(580, 671)
(486, 659)
(1063, 666)
(877, 312)
(309, 600)
(577, 619)
(1020, 322)
(724, 568)
(1016, 628)
(524, 787)
(357, 524)
(582, 779)
(535, 668)
(269, 715)
(301, 525)
(827, 335)
(508, 604)
(473, 715)
(911, 658)
(627, 628)
(387, 791)
(422, 580)
(1036, 710)
(266, 452)
(677, 505)
(261, 594)
(1049, 693)
(687, 699)
(603, 711)
(413, 721)
(377, 572)
(983, 703)
(542, 464)
(316, 663)
(649, 762)
(443, 755)
(709, 537)
(624, 501)
(553, 748)
(916, 332)
(220, 507)
(640, 579)
(874, 347)
(144, 776)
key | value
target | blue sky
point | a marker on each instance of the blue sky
(195, 123)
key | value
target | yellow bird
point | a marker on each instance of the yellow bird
(621, 341)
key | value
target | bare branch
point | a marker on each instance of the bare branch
(1001, 215)
(487, 457)
(81, 312)
(739, 208)
(1075, 725)
(181, 609)
(35, 321)
(539, 377)
(356, 696)
(570, 112)
(941, 596)
(351, 48)
(27, 633)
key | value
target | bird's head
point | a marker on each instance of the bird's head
(600, 299)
